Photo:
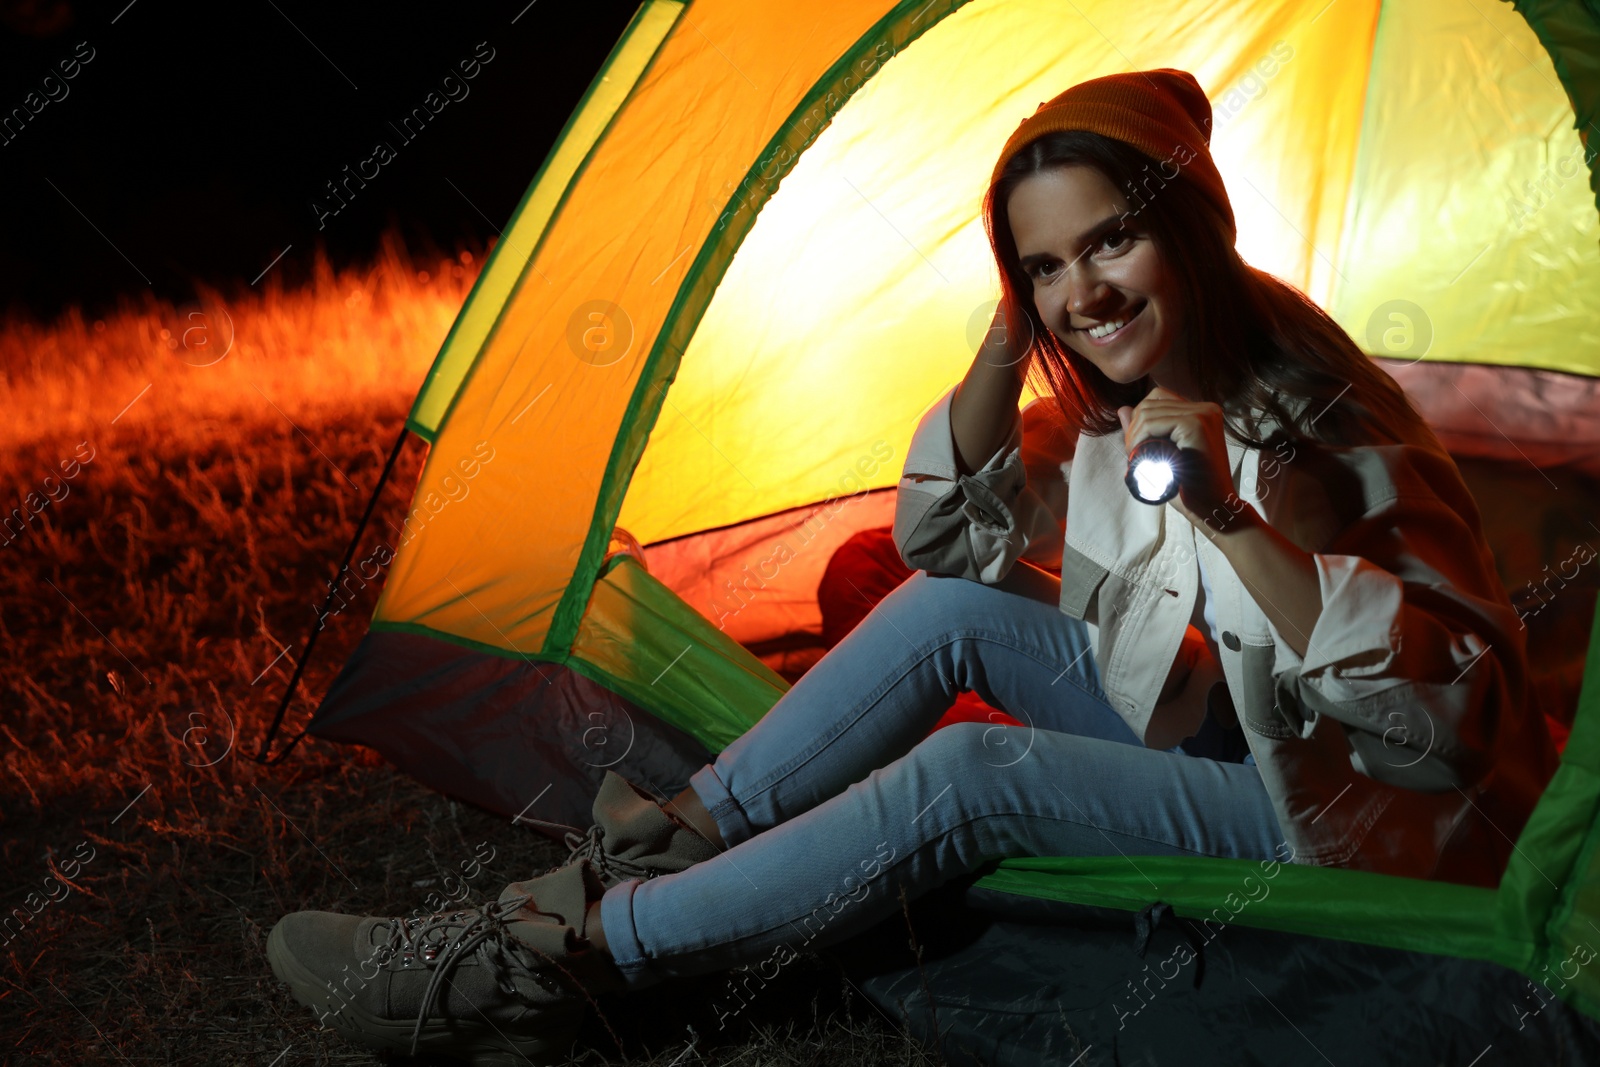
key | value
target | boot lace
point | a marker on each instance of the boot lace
(588, 844)
(441, 942)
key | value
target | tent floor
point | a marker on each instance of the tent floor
(1020, 981)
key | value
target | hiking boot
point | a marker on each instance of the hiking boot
(632, 836)
(499, 984)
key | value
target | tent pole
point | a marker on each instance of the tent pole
(333, 588)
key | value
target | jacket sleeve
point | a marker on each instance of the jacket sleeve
(1416, 651)
(977, 525)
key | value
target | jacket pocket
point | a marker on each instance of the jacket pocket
(1258, 701)
(1324, 806)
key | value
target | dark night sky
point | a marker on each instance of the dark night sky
(198, 136)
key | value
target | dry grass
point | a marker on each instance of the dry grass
(146, 613)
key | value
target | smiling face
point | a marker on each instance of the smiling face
(1090, 267)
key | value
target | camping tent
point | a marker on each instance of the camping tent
(754, 257)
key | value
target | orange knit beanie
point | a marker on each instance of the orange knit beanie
(1163, 113)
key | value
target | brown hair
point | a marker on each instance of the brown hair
(1250, 338)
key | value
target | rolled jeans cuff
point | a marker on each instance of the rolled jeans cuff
(732, 823)
(622, 938)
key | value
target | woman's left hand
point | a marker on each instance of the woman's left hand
(1206, 495)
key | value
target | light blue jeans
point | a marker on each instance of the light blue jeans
(838, 798)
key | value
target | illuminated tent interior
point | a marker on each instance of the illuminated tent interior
(754, 257)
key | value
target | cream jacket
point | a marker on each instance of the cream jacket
(1405, 741)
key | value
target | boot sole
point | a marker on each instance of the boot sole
(480, 1043)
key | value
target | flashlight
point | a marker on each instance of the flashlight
(1153, 470)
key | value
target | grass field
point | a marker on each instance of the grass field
(186, 479)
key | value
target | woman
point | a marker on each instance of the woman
(1305, 656)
